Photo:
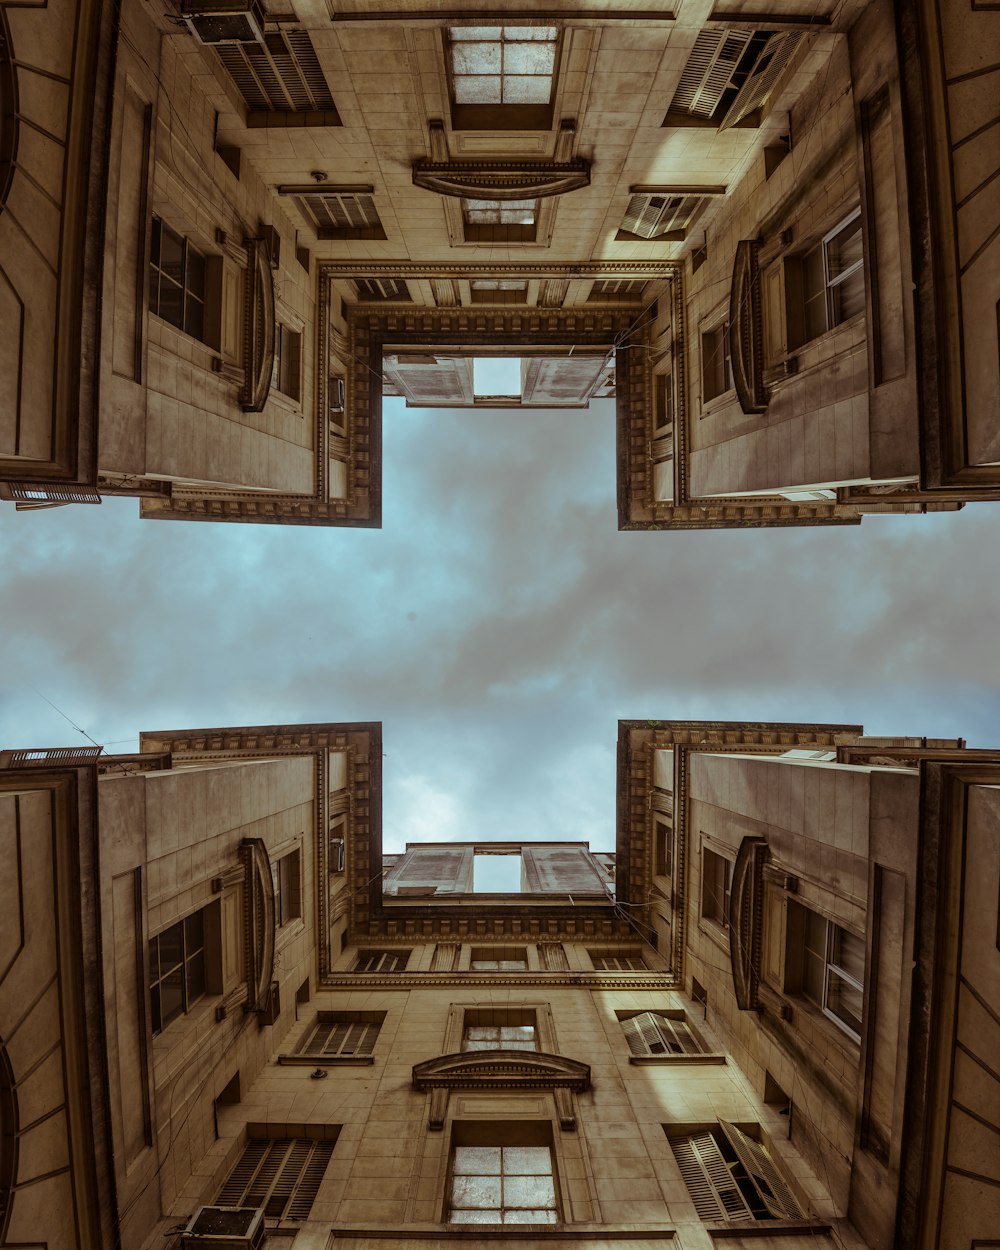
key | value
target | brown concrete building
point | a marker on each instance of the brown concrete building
(228, 228)
(770, 1018)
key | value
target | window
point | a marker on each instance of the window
(716, 369)
(337, 214)
(616, 290)
(499, 1028)
(729, 77)
(825, 286)
(280, 1174)
(279, 76)
(651, 1033)
(716, 879)
(176, 970)
(663, 419)
(382, 961)
(499, 959)
(287, 372)
(617, 961)
(502, 76)
(664, 848)
(176, 280)
(826, 964)
(343, 1034)
(499, 291)
(659, 216)
(286, 874)
(501, 1174)
(731, 1177)
(491, 221)
(382, 289)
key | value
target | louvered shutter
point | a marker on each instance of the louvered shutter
(677, 1036)
(291, 1161)
(642, 215)
(708, 71)
(770, 65)
(259, 1189)
(697, 1174)
(281, 75)
(767, 1180)
(309, 1181)
(309, 67)
(234, 1191)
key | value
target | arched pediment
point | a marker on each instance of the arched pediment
(258, 327)
(502, 1069)
(259, 921)
(502, 180)
(746, 330)
(746, 920)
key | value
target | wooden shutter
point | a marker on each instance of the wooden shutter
(767, 1180)
(768, 69)
(234, 1191)
(309, 1181)
(677, 1035)
(708, 71)
(281, 75)
(552, 956)
(710, 1181)
(643, 1036)
(282, 1175)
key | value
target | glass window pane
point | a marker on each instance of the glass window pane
(525, 90)
(527, 1161)
(536, 1192)
(170, 306)
(195, 978)
(154, 243)
(482, 216)
(480, 33)
(482, 1032)
(477, 1160)
(848, 297)
(530, 32)
(475, 1191)
(194, 317)
(194, 932)
(844, 249)
(476, 58)
(169, 942)
(848, 953)
(171, 253)
(529, 58)
(195, 272)
(171, 997)
(517, 216)
(512, 965)
(845, 1002)
(475, 1217)
(154, 970)
(529, 1217)
(517, 1033)
(480, 89)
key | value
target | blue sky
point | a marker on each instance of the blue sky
(498, 625)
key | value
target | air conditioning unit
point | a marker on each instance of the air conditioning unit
(224, 21)
(336, 394)
(225, 1228)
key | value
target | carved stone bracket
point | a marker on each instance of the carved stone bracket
(746, 330)
(259, 920)
(746, 918)
(502, 180)
(258, 327)
(501, 1069)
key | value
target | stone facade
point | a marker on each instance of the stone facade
(207, 1000)
(194, 235)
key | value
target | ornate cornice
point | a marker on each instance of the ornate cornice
(649, 269)
(639, 981)
(501, 180)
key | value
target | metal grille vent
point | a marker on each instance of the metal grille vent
(280, 75)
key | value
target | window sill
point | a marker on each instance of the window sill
(644, 1060)
(717, 402)
(768, 1228)
(327, 1061)
(715, 933)
(564, 1229)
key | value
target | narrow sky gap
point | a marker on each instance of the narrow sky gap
(497, 375)
(496, 874)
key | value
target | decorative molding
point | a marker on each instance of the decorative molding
(501, 1069)
(537, 269)
(638, 981)
(746, 920)
(258, 923)
(258, 327)
(501, 180)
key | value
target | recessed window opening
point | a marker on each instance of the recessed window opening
(502, 64)
(496, 874)
(497, 376)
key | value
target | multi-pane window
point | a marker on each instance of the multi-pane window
(343, 1035)
(499, 1184)
(650, 1033)
(716, 881)
(176, 970)
(500, 212)
(381, 961)
(500, 1037)
(502, 64)
(499, 959)
(716, 369)
(499, 291)
(617, 961)
(663, 421)
(826, 964)
(731, 1177)
(176, 280)
(664, 847)
(826, 286)
(287, 374)
(282, 1175)
(286, 874)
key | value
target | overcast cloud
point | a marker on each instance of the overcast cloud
(498, 625)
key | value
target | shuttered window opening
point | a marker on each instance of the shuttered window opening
(382, 289)
(617, 963)
(652, 1034)
(656, 216)
(280, 75)
(382, 961)
(731, 1177)
(337, 1035)
(282, 1175)
(730, 73)
(341, 214)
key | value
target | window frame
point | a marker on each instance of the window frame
(158, 274)
(286, 877)
(509, 959)
(501, 116)
(500, 231)
(502, 1135)
(711, 918)
(827, 964)
(286, 373)
(187, 958)
(798, 294)
(711, 339)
